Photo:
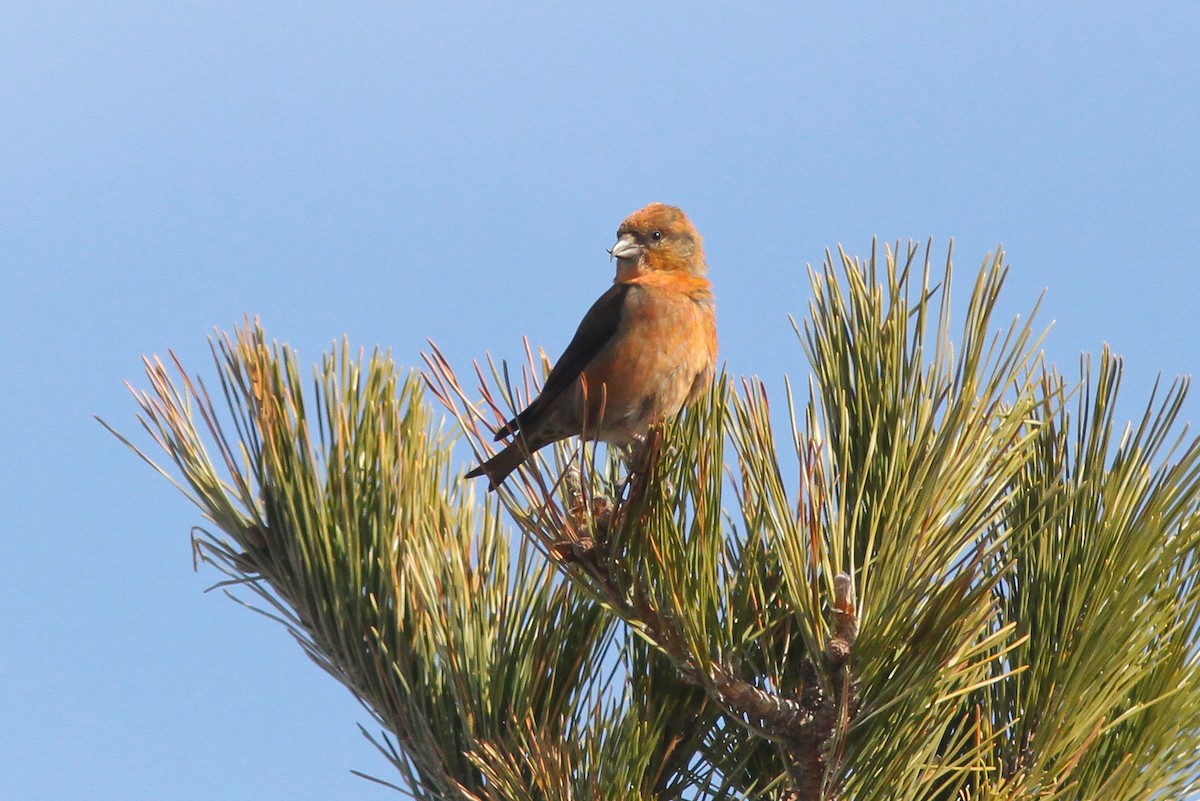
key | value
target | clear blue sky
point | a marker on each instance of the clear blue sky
(394, 174)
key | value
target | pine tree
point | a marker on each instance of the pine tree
(952, 577)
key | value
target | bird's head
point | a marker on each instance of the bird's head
(658, 238)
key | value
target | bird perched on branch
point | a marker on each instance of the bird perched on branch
(645, 349)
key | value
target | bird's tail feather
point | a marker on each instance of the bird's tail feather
(499, 466)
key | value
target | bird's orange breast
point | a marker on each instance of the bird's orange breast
(665, 345)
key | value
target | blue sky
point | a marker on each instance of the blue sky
(393, 173)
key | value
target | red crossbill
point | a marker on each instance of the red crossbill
(645, 349)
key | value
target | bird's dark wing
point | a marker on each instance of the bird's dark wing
(599, 326)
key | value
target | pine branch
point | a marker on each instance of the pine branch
(961, 579)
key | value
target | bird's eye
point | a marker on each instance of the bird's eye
(657, 235)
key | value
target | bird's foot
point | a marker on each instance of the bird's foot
(591, 518)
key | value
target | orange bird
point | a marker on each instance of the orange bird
(645, 349)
